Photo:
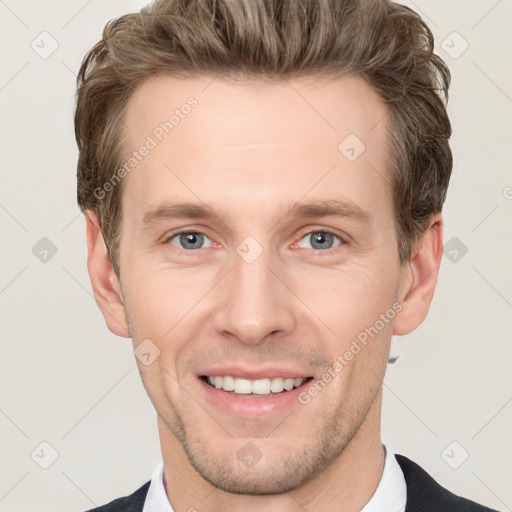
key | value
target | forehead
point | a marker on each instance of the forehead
(246, 143)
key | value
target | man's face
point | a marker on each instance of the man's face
(264, 287)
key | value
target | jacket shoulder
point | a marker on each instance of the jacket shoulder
(132, 503)
(424, 494)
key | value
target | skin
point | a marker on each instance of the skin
(248, 152)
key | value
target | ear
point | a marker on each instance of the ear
(105, 284)
(419, 278)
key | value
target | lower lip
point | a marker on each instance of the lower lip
(252, 405)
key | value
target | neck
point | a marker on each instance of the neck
(347, 484)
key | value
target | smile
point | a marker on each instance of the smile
(267, 386)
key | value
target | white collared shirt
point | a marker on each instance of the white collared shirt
(390, 494)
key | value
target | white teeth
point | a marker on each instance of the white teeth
(242, 385)
(288, 384)
(256, 387)
(277, 385)
(228, 383)
(261, 387)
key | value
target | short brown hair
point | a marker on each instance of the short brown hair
(387, 44)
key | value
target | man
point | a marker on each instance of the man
(263, 183)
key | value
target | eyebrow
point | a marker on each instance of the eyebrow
(326, 208)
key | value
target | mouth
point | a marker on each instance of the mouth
(258, 388)
(254, 392)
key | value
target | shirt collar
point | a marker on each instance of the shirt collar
(390, 494)
(156, 498)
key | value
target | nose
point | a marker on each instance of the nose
(255, 302)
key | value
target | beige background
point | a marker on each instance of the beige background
(67, 381)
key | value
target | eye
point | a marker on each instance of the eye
(319, 240)
(190, 240)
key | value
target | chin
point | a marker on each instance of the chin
(268, 468)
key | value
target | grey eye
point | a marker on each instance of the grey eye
(319, 240)
(189, 240)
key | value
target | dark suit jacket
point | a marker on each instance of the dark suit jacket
(424, 494)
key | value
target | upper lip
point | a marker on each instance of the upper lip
(268, 372)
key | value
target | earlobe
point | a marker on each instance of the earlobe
(106, 287)
(419, 278)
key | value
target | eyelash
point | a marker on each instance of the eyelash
(342, 239)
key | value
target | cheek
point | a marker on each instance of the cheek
(161, 297)
(350, 297)
(359, 355)
(169, 307)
